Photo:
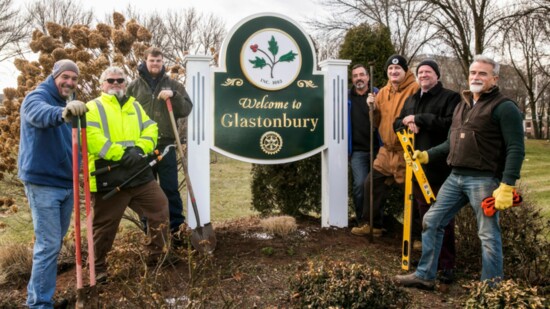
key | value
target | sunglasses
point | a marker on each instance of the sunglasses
(113, 80)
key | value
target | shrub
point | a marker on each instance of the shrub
(507, 294)
(344, 285)
(281, 225)
(292, 189)
(15, 264)
(525, 242)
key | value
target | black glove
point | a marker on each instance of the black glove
(132, 156)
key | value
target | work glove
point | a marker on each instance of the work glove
(73, 108)
(422, 156)
(132, 156)
(408, 159)
(504, 196)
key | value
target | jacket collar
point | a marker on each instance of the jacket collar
(434, 91)
(468, 96)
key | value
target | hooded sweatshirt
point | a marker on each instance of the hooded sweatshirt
(45, 148)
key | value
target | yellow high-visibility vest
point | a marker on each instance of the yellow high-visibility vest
(112, 128)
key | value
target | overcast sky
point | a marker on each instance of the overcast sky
(230, 11)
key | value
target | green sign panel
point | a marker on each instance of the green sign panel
(268, 98)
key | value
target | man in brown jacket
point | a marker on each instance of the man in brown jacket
(389, 165)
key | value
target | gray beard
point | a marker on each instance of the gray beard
(476, 88)
(119, 94)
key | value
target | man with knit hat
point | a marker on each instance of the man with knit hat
(45, 168)
(389, 165)
(429, 113)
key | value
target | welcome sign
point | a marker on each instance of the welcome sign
(268, 95)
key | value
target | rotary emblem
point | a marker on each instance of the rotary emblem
(271, 142)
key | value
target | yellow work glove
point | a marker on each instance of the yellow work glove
(504, 196)
(408, 159)
(422, 156)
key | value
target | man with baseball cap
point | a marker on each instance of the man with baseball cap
(389, 165)
(45, 168)
(429, 113)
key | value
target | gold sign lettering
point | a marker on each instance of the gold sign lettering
(235, 121)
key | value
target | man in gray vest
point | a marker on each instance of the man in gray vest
(485, 150)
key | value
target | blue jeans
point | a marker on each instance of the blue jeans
(360, 167)
(167, 171)
(455, 193)
(51, 209)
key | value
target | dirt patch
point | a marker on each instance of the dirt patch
(249, 269)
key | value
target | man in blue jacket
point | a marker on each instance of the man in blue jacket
(45, 168)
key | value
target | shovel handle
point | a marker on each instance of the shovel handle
(182, 155)
(76, 203)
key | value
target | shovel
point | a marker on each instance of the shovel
(203, 238)
(84, 296)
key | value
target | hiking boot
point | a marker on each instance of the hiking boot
(417, 245)
(178, 241)
(411, 280)
(365, 230)
(101, 277)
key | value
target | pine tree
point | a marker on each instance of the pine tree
(369, 45)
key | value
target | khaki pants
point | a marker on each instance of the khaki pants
(147, 200)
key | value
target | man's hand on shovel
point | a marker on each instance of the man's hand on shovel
(165, 94)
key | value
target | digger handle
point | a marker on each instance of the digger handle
(104, 170)
(152, 163)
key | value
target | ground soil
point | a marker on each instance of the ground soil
(249, 269)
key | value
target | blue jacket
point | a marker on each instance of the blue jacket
(377, 143)
(45, 148)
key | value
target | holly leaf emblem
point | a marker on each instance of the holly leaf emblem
(258, 62)
(273, 46)
(288, 57)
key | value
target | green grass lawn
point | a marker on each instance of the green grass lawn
(230, 195)
(535, 173)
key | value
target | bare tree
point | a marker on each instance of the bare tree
(404, 18)
(327, 45)
(211, 34)
(182, 32)
(13, 30)
(468, 27)
(62, 12)
(525, 45)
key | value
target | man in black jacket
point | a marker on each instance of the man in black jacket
(151, 90)
(428, 113)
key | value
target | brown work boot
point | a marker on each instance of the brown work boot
(365, 230)
(411, 280)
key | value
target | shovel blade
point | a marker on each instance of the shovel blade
(87, 297)
(203, 239)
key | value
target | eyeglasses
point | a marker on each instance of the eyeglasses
(113, 80)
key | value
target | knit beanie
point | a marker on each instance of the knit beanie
(64, 65)
(399, 60)
(431, 63)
